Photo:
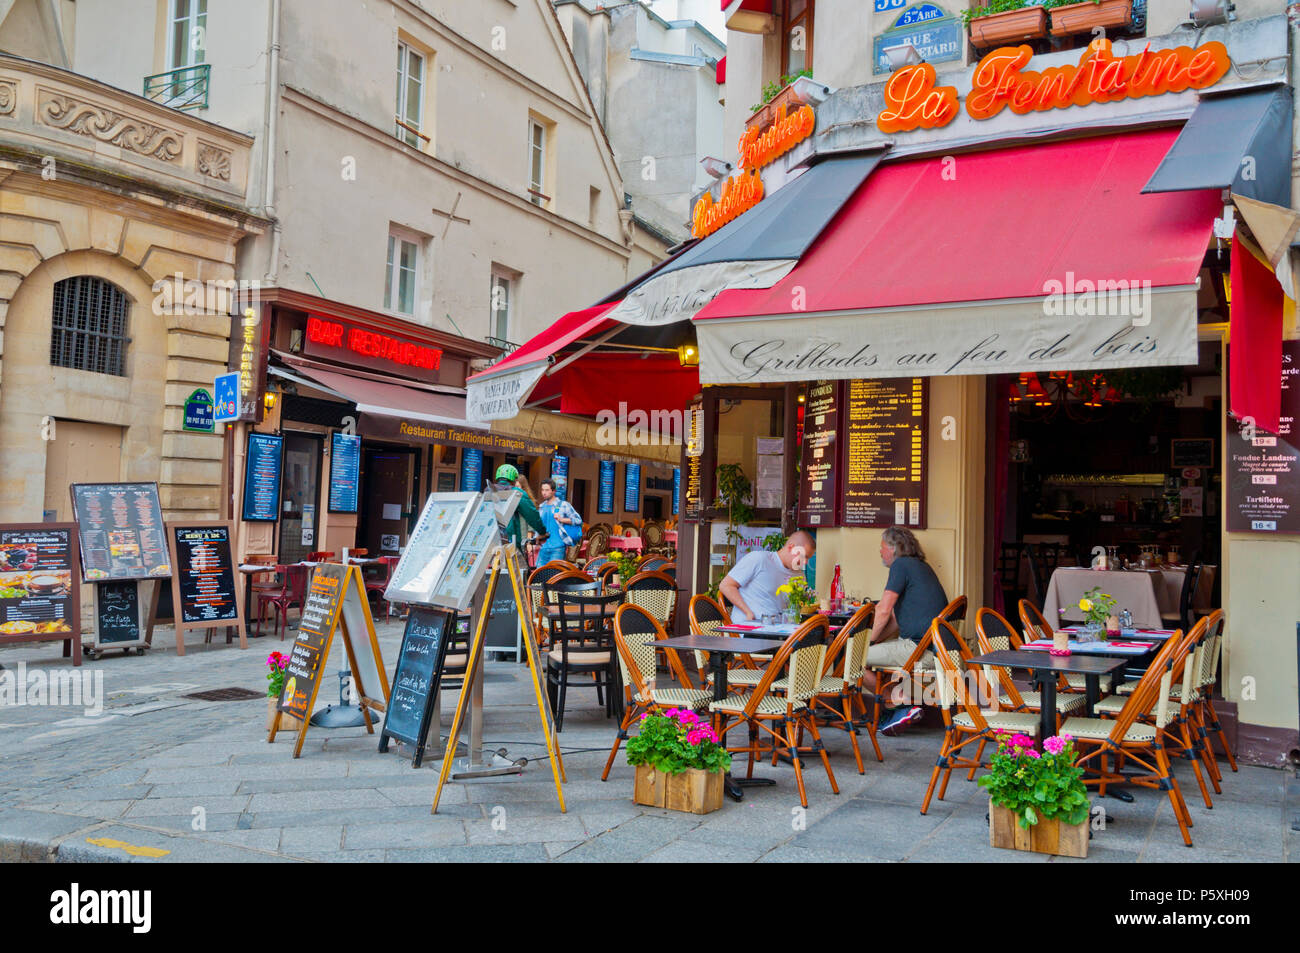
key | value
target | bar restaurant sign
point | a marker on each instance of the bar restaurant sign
(1000, 81)
(362, 347)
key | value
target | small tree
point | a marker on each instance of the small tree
(734, 493)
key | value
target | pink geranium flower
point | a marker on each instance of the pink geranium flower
(1054, 745)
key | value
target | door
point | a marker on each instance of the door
(80, 453)
(300, 502)
(390, 475)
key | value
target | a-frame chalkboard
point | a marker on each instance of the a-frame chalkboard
(414, 696)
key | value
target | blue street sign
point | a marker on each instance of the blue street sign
(225, 396)
(198, 412)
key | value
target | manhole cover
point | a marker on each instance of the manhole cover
(227, 695)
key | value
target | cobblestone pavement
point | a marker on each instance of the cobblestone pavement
(157, 777)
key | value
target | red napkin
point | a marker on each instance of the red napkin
(737, 625)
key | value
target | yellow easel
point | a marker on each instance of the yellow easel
(508, 555)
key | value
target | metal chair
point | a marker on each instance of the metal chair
(582, 643)
(1187, 596)
(292, 592)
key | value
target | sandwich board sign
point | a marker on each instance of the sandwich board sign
(205, 592)
(336, 602)
(417, 678)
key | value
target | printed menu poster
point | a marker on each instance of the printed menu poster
(818, 479)
(677, 490)
(560, 474)
(36, 585)
(262, 477)
(120, 527)
(205, 574)
(471, 470)
(319, 616)
(632, 487)
(883, 466)
(345, 472)
(605, 488)
(1264, 471)
(469, 559)
(694, 458)
(429, 547)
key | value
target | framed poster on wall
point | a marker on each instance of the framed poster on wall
(262, 471)
(345, 472)
(605, 490)
(632, 487)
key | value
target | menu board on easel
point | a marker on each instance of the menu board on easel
(883, 453)
(818, 479)
(39, 577)
(205, 594)
(336, 602)
(1264, 472)
(120, 526)
(417, 678)
(420, 569)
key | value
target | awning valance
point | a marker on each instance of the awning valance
(1038, 257)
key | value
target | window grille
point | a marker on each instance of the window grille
(88, 330)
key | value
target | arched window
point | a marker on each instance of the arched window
(88, 331)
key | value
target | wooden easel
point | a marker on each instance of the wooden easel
(509, 556)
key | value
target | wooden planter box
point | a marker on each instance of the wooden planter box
(1046, 837)
(1082, 17)
(1012, 26)
(693, 791)
(766, 115)
(288, 723)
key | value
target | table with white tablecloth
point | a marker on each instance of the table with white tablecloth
(1172, 578)
(1142, 592)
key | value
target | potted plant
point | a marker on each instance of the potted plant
(785, 92)
(679, 762)
(276, 663)
(626, 563)
(802, 600)
(1003, 22)
(734, 493)
(1070, 16)
(1037, 801)
(1099, 609)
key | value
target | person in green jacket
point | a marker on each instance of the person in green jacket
(526, 515)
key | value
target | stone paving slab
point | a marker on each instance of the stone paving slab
(132, 780)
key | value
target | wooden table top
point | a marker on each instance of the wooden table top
(1073, 664)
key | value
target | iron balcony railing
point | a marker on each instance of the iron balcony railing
(507, 347)
(184, 88)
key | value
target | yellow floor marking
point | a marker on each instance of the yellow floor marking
(131, 849)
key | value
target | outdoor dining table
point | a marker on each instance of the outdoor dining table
(718, 647)
(626, 542)
(1044, 670)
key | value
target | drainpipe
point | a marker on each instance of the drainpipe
(268, 138)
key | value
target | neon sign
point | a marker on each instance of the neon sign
(912, 100)
(372, 344)
(757, 149)
(739, 194)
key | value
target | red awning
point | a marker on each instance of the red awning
(389, 400)
(646, 382)
(570, 328)
(995, 251)
(1256, 334)
(720, 73)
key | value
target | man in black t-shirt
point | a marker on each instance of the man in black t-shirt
(913, 596)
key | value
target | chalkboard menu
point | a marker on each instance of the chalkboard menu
(1264, 472)
(121, 531)
(503, 622)
(694, 458)
(416, 679)
(319, 617)
(677, 490)
(818, 481)
(39, 598)
(345, 472)
(883, 462)
(262, 468)
(117, 612)
(471, 470)
(632, 487)
(605, 488)
(204, 588)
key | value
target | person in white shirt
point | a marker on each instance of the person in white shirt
(751, 585)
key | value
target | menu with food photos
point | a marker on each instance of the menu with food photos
(120, 526)
(38, 581)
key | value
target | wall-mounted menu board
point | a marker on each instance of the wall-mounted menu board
(883, 453)
(416, 679)
(632, 487)
(694, 453)
(262, 470)
(677, 490)
(471, 470)
(1264, 473)
(121, 531)
(345, 472)
(605, 488)
(204, 591)
(39, 596)
(818, 480)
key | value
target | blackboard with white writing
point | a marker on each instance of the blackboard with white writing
(117, 612)
(416, 679)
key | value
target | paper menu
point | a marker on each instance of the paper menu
(429, 546)
(469, 559)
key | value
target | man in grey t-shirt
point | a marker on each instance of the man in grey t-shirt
(751, 585)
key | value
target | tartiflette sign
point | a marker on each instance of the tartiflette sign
(330, 337)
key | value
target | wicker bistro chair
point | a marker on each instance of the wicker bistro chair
(1184, 735)
(635, 634)
(1128, 739)
(706, 614)
(838, 698)
(594, 563)
(581, 645)
(606, 572)
(964, 722)
(597, 541)
(652, 563)
(1037, 627)
(995, 634)
(1209, 718)
(783, 718)
(655, 592)
(889, 676)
